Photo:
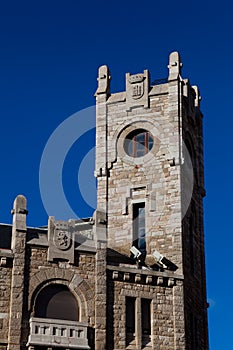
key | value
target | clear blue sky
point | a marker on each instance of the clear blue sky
(50, 52)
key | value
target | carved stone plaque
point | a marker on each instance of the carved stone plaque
(137, 82)
(137, 87)
(61, 240)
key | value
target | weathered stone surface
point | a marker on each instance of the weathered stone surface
(91, 258)
(170, 112)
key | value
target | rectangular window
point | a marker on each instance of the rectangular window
(139, 227)
(130, 320)
(146, 316)
(146, 321)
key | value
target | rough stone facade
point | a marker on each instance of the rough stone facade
(133, 276)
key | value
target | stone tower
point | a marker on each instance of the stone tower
(133, 275)
(149, 166)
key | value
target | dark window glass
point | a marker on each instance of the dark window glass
(138, 143)
(130, 315)
(139, 227)
(146, 316)
(130, 320)
(57, 302)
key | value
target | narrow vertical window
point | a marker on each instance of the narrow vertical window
(146, 321)
(130, 320)
(139, 227)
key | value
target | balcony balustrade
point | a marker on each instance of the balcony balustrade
(58, 333)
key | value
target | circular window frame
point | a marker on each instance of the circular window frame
(131, 143)
(139, 125)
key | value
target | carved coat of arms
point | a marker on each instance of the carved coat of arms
(137, 90)
(137, 82)
(62, 239)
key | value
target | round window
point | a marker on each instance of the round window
(138, 143)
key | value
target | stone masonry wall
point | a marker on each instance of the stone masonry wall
(167, 312)
(154, 178)
(80, 278)
(160, 181)
(193, 237)
(5, 286)
(168, 112)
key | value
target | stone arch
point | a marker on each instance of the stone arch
(76, 284)
(56, 301)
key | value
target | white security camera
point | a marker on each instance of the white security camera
(136, 253)
(160, 258)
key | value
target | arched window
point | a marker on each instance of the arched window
(138, 143)
(57, 302)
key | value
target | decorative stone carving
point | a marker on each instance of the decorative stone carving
(103, 81)
(19, 213)
(171, 282)
(137, 278)
(115, 275)
(149, 279)
(137, 87)
(137, 90)
(174, 66)
(160, 281)
(61, 240)
(3, 261)
(126, 276)
(197, 96)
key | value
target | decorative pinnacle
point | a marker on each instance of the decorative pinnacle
(20, 205)
(174, 66)
(103, 81)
